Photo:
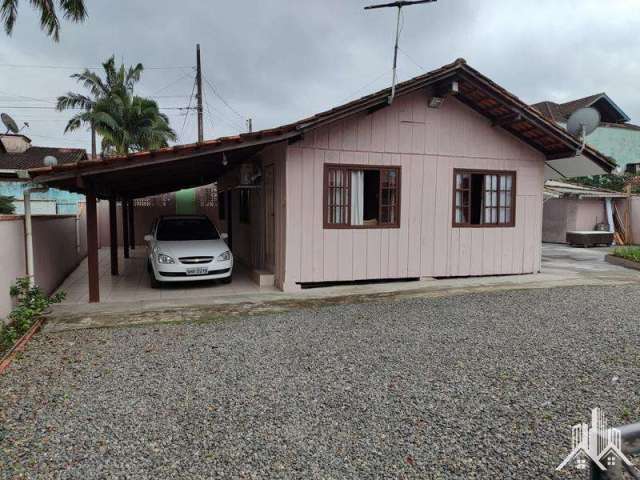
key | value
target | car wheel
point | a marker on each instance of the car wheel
(153, 281)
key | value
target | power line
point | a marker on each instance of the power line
(33, 107)
(187, 74)
(212, 111)
(350, 96)
(228, 120)
(23, 97)
(188, 108)
(215, 92)
(79, 67)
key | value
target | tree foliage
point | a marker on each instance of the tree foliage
(116, 81)
(73, 10)
(6, 205)
(130, 123)
(125, 121)
(610, 182)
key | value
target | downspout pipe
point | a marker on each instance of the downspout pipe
(28, 229)
(608, 205)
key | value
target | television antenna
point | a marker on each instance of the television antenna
(398, 5)
(10, 123)
(583, 122)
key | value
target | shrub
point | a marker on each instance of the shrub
(31, 302)
(6, 205)
(630, 253)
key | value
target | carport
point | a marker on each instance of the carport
(143, 174)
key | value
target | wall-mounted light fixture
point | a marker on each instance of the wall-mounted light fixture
(435, 102)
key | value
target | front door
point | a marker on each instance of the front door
(269, 221)
(186, 202)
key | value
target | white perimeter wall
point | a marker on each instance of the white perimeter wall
(56, 252)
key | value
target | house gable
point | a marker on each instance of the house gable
(409, 126)
(427, 145)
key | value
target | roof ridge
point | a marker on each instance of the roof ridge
(582, 99)
(456, 70)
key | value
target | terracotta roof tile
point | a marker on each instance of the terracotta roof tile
(34, 156)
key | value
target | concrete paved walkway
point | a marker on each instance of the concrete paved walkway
(562, 266)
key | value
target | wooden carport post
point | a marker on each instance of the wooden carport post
(113, 235)
(125, 227)
(92, 247)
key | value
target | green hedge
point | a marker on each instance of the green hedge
(629, 253)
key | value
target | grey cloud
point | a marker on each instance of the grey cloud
(278, 60)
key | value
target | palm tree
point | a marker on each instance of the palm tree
(73, 10)
(130, 123)
(120, 80)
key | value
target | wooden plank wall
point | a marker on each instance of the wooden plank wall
(275, 155)
(248, 239)
(427, 144)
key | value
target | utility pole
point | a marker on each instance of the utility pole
(249, 125)
(199, 95)
(399, 6)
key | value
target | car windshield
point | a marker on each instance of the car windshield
(185, 229)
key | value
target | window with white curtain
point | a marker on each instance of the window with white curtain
(361, 196)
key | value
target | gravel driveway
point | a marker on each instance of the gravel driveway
(460, 387)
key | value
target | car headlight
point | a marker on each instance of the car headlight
(224, 257)
(162, 258)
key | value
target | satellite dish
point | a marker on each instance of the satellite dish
(50, 161)
(583, 121)
(10, 123)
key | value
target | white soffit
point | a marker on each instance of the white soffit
(570, 167)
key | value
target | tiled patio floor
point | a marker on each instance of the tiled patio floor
(132, 284)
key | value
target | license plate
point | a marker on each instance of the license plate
(197, 271)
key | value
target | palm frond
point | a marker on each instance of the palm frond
(77, 121)
(74, 10)
(92, 82)
(110, 72)
(104, 122)
(48, 17)
(74, 100)
(9, 14)
(133, 76)
(125, 121)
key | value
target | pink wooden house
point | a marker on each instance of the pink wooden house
(445, 180)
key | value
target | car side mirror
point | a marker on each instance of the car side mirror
(224, 236)
(148, 238)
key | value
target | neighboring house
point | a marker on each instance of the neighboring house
(616, 137)
(17, 154)
(445, 180)
(569, 207)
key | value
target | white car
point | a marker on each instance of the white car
(184, 248)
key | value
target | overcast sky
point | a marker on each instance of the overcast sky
(280, 60)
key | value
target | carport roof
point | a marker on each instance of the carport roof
(151, 172)
(557, 189)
